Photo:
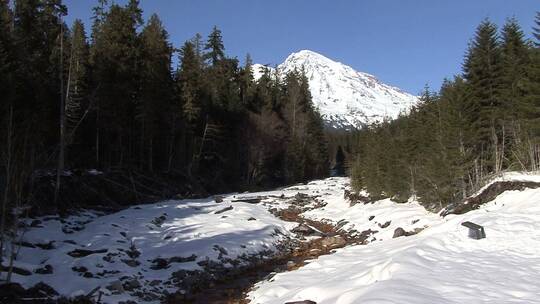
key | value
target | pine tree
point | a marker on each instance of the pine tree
(154, 104)
(214, 46)
(78, 77)
(190, 82)
(246, 85)
(339, 167)
(115, 64)
(536, 30)
(515, 57)
(482, 71)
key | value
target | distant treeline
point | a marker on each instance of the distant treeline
(113, 101)
(481, 122)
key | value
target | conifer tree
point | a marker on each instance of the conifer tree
(214, 47)
(536, 30)
(515, 57)
(114, 56)
(482, 71)
(78, 77)
(154, 105)
(190, 82)
(246, 85)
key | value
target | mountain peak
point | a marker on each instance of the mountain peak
(306, 53)
(346, 98)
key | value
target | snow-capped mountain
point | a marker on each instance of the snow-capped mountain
(345, 97)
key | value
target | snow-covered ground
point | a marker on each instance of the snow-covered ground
(188, 231)
(147, 244)
(439, 265)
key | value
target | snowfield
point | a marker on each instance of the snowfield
(439, 265)
(141, 248)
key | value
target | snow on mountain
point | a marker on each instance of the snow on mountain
(345, 98)
(258, 70)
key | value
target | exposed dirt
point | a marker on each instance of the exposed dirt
(489, 194)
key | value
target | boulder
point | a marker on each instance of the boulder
(385, 224)
(399, 232)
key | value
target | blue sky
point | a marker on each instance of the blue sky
(404, 43)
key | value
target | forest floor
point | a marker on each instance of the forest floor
(305, 242)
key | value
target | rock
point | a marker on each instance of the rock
(159, 263)
(333, 241)
(222, 251)
(88, 275)
(290, 265)
(304, 229)
(79, 269)
(48, 269)
(302, 302)
(158, 221)
(399, 232)
(115, 287)
(354, 198)
(180, 259)
(79, 253)
(371, 217)
(418, 230)
(385, 224)
(252, 219)
(17, 270)
(131, 263)
(154, 283)
(315, 251)
(218, 199)
(132, 284)
(46, 246)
